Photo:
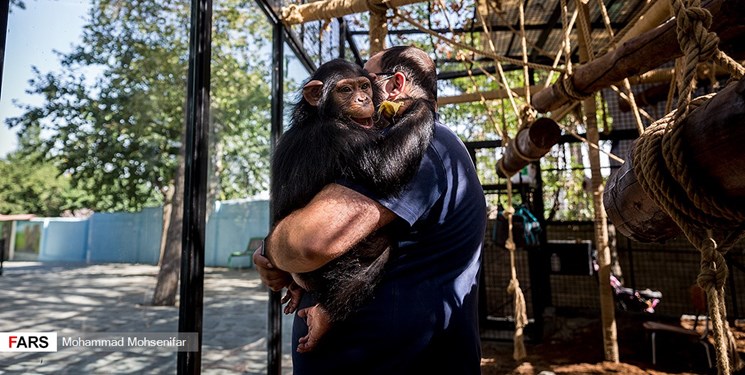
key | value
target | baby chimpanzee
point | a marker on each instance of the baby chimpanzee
(333, 137)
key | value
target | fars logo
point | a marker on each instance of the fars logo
(28, 342)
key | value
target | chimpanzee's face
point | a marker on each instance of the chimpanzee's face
(352, 98)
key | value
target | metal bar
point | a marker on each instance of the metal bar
(353, 46)
(342, 37)
(195, 182)
(274, 344)
(4, 12)
(289, 36)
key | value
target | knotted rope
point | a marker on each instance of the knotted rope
(707, 220)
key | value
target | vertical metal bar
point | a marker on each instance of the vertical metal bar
(4, 11)
(274, 360)
(342, 37)
(195, 183)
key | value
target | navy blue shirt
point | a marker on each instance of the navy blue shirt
(424, 315)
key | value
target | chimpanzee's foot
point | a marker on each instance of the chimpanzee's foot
(318, 323)
(294, 293)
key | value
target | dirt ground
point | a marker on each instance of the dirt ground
(575, 346)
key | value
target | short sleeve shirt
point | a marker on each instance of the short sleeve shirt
(423, 317)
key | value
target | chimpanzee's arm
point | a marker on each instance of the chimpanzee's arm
(396, 156)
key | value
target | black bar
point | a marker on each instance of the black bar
(292, 41)
(274, 322)
(342, 37)
(353, 45)
(195, 182)
(4, 11)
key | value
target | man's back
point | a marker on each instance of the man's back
(424, 314)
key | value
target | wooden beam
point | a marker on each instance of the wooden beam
(320, 10)
(639, 55)
(715, 133)
(652, 76)
(657, 13)
(488, 95)
(530, 143)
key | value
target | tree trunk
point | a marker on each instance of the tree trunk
(166, 286)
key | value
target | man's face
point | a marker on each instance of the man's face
(384, 80)
(373, 65)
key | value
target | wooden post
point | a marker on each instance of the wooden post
(607, 304)
(642, 54)
(530, 143)
(378, 27)
(715, 133)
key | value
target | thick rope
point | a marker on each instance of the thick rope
(520, 315)
(661, 169)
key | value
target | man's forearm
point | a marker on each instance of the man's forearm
(335, 220)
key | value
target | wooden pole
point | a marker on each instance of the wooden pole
(715, 132)
(488, 95)
(326, 9)
(607, 304)
(378, 27)
(530, 143)
(653, 17)
(642, 54)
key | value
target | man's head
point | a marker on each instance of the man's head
(404, 71)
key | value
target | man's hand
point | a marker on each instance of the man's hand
(274, 278)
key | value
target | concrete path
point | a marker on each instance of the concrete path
(76, 299)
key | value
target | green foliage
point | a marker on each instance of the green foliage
(31, 185)
(112, 119)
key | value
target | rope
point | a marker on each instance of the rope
(420, 27)
(708, 222)
(521, 317)
(626, 84)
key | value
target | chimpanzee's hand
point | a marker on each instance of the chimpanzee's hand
(292, 298)
(274, 278)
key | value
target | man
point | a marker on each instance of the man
(423, 317)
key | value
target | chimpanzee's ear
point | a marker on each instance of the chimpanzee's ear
(312, 92)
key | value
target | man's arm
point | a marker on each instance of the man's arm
(335, 220)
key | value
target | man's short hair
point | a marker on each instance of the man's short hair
(415, 64)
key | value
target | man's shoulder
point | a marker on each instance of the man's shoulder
(445, 138)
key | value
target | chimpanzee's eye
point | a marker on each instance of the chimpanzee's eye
(365, 86)
(345, 89)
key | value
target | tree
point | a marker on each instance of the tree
(32, 185)
(114, 117)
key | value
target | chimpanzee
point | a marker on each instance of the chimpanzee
(333, 137)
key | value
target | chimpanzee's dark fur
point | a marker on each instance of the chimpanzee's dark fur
(321, 147)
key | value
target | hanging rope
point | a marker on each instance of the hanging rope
(709, 222)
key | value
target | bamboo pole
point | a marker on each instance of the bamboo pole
(327, 9)
(378, 30)
(530, 144)
(653, 17)
(607, 304)
(489, 95)
(641, 54)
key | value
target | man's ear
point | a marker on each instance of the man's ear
(312, 92)
(396, 85)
